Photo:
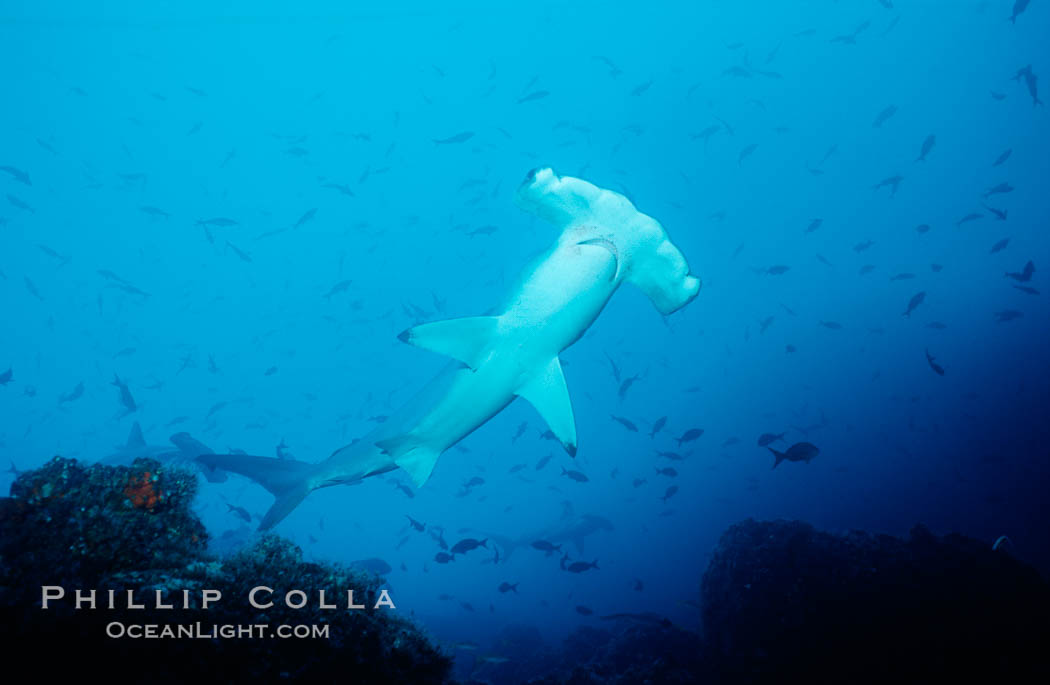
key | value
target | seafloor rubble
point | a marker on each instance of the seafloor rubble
(780, 601)
(121, 528)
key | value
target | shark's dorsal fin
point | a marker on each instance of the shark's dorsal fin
(548, 393)
(135, 438)
(463, 339)
(415, 458)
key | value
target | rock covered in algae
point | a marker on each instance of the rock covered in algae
(132, 529)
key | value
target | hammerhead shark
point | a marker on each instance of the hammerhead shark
(184, 448)
(570, 529)
(604, 242)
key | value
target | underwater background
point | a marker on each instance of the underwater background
(236, 210)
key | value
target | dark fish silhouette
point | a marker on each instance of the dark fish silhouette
(307, 216)
(767, 439)
(1019, 7)
(125, 396)
(244, 256)
(339, 287)
(927, 145)
(850, 38)
(577, 476)
(458, 138)
(73, 394)
(915, 301)
(19, 203)
(706, 134)
(999, 189)
(1000, 214)
(17, 174)
(690, 435)
(937, 369)
(467, 544)
(641, 88)
(1030, 80)
(626, 385)
(219, 221)
(578, 566)
(800, 451)
(884, 115)
(1025, 275)
(155, 212)
(893, 182)
(536, 95)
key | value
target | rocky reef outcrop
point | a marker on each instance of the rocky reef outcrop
(614, 653)
(783, 601)
(131, 528)
(780, 602)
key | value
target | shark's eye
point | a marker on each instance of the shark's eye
(529, 177)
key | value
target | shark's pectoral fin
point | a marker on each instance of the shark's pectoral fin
(463, 339)
(548, 393)
(414, 457)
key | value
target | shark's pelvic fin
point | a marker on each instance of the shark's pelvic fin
(412, 455)
(463, 339)
(548, 393)
(287, 479)
(135, 438)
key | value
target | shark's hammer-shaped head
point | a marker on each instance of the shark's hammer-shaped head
(588, 214)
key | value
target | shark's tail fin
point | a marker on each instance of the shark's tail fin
(780, 456)
(287, 479)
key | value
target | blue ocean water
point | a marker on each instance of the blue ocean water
(767, 138)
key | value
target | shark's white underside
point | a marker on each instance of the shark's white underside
(604, 241)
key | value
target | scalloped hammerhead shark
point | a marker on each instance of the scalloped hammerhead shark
(604, 242)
